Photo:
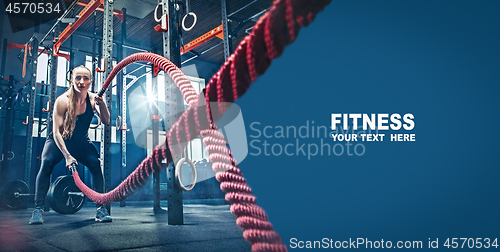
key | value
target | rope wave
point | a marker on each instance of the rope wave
(273, 31)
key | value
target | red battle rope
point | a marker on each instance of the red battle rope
(274, 30)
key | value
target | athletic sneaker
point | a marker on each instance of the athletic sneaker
(102, 215)
(37, 216)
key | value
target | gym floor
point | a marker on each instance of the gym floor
(134, 228)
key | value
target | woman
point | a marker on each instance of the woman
(73, 112)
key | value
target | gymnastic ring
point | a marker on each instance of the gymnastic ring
(178, 175)
(98, 122)
(68, 75)
(184, 19)
(118, 122)
(156, 10)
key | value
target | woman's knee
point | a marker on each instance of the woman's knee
(47, 166)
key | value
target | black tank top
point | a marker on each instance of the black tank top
(83, 121)
(82, 124)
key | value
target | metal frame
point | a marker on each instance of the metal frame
(68, 10)
(215, 32)
(242, 8)
(241, 23)
(117, 13)
(122, 103)
(107, 52)
(52, 91)
(171, 51)
(83, 15)
(31, 65)
(228, 41)
(32, 62)
(199, 54)
(94, 52)
(43, 93)
(155, 119)
(52, 100)
(4, 56)
(40, 51)
(123, 130)
(8, 130)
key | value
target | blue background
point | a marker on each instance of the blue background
(438, 60)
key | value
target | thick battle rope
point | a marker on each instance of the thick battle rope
(257, 229)
(170, 68)
(274, 30)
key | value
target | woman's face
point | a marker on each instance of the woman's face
(81, 79)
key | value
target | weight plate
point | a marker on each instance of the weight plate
(50, 192)
(60, 200)
(7, 194)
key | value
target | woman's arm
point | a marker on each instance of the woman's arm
(60, 107)
(101, 108)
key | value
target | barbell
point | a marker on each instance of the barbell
(16, 194)
(63, 195)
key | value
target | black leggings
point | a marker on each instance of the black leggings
(82, 150)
